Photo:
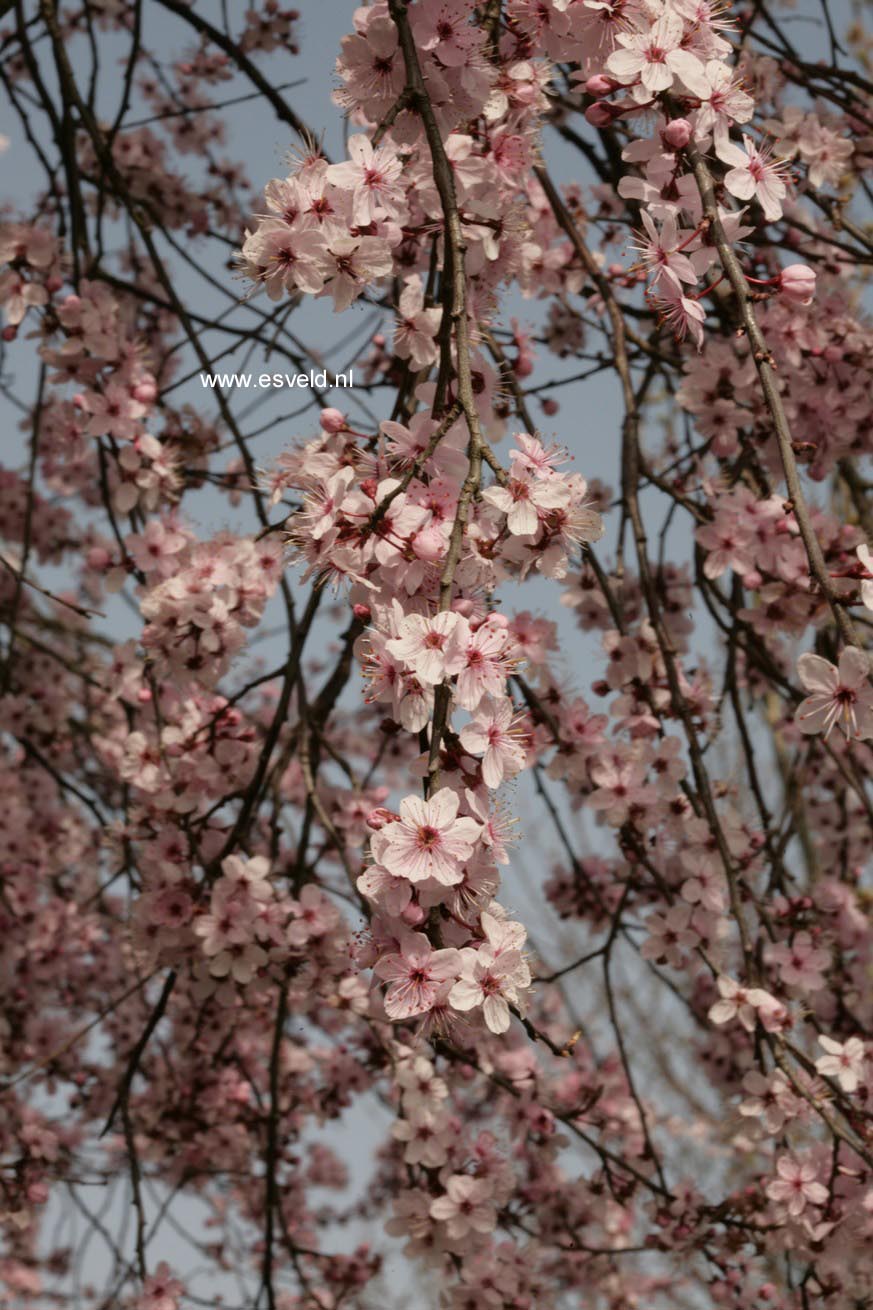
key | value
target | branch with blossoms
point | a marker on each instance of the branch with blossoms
(565, 910)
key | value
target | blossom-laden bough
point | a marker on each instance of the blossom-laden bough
(601, 981)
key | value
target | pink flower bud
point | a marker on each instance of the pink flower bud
(413, 914)
(9, 333)
(98, 557)
(549, 406)
(377, 818)
(678, 133)
(53, 284)
(600, 114)
(797, 282)
(332, 420)
(600, 85)
(361, 612)
(145, 392)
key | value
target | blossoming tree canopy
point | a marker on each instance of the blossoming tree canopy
(435, 851)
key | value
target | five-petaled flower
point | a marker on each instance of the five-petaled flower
(837, 694)
(428, 840)
(796, 1185)
(417, 974)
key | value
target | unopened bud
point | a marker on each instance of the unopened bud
(600, 114)
(797, 282)
(332, 421)
(377, 818)
(600, 85)
(145, 392)
(678, 133)
(413, 914)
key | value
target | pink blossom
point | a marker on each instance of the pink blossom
(417, 327)
(770, 1099)
(349, 264)
(845, 1061)
(796, 1186)
(160, 1291)
(671, 937)
(840, 694)
(522, 500)
(465, 1206)
(742, 1003)
(372, 176)
(800, 962)
(754, 173)
(429, 840)
(430, 646)
(417, 973)
(657, 58)
(491, 735)
(490, 979)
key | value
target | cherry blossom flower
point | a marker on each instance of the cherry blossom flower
(755, 173)
(417, 326)
(465, 1206)
(800, 963)
(670, 937)
(522, 499)
(430, 646)
(683, 314)
(657, 58)
(283, 260)
(484, 661)
(429, 840)
(796, 1185)
(348, 264)
(160, 1291)
(838, 694)
(372, 177)
(416, 973)
(491, 979)
(662, 253)
(742, 1003)
(705, 883)
(845, 1061)
(427, 1134)
(491, 735)
(443, 28)
(770, 1099)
